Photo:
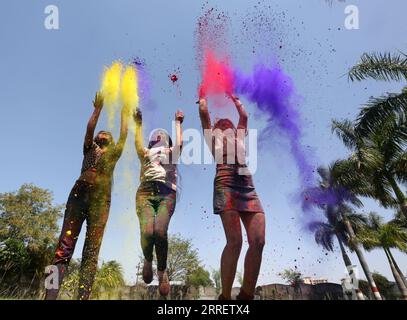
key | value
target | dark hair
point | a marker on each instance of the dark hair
(151, 143)
(109, 134)
(224, 123)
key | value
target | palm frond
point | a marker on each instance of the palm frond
(380, 66)
(393, 236)
(357, 220)
(324, 235)
(368, 238)
(383, 191)
(348, 173)
(345, 132)
(379, 110)
(325, 175)
(400, 219)
(399, 166)
(374, 221)
(370, 158)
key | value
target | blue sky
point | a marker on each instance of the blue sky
(48, 79)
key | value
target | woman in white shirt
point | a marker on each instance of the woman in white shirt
(156, 196)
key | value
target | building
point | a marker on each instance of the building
(313, 282)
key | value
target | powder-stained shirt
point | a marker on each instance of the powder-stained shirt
(91, 157)
(103, 162)
(157, 167)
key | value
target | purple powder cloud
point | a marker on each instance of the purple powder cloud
(273, 92)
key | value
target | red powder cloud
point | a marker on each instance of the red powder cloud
(217, 76)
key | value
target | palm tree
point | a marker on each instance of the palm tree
(108, 278)
(325, 232)
(378, 163)
(378, 234)
(380, 67)
(386, 113)
(336, 202)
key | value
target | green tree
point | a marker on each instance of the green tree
(217, 280)
(200, 278)
(291, 276)
(384, 285)
(182, 259)
(334, 227)
(109, 278)
(337, 202)
(184, 265)
(28, 232)
(378, 161)
(70, 283)
(378, 234)
(380, 128)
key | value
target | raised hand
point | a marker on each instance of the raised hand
(179, 116)
(98, 102)
(201, 102)
(236, 100)
(137, 116)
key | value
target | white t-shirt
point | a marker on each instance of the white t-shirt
(157, 167)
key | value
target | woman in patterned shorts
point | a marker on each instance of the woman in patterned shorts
(235, 200)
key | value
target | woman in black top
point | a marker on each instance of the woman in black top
(89, 200)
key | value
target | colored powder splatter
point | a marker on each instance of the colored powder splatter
(111, 83)
(129, 88)
(137, 61)
(144, 83)
(217, 77)
(174, 78)
(211, 33)
(110, 89)
(267, 86)
(273, 92)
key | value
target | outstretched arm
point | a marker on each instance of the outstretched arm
(204, 114)
(124, 129)
(139, 134)
(242, 113)
(90, 129)
(177, 149)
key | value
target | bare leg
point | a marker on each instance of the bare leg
(255, 226)
(231, 252)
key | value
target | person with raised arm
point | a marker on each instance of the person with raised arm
(89, 201)
(235, 199)
(156, 196)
